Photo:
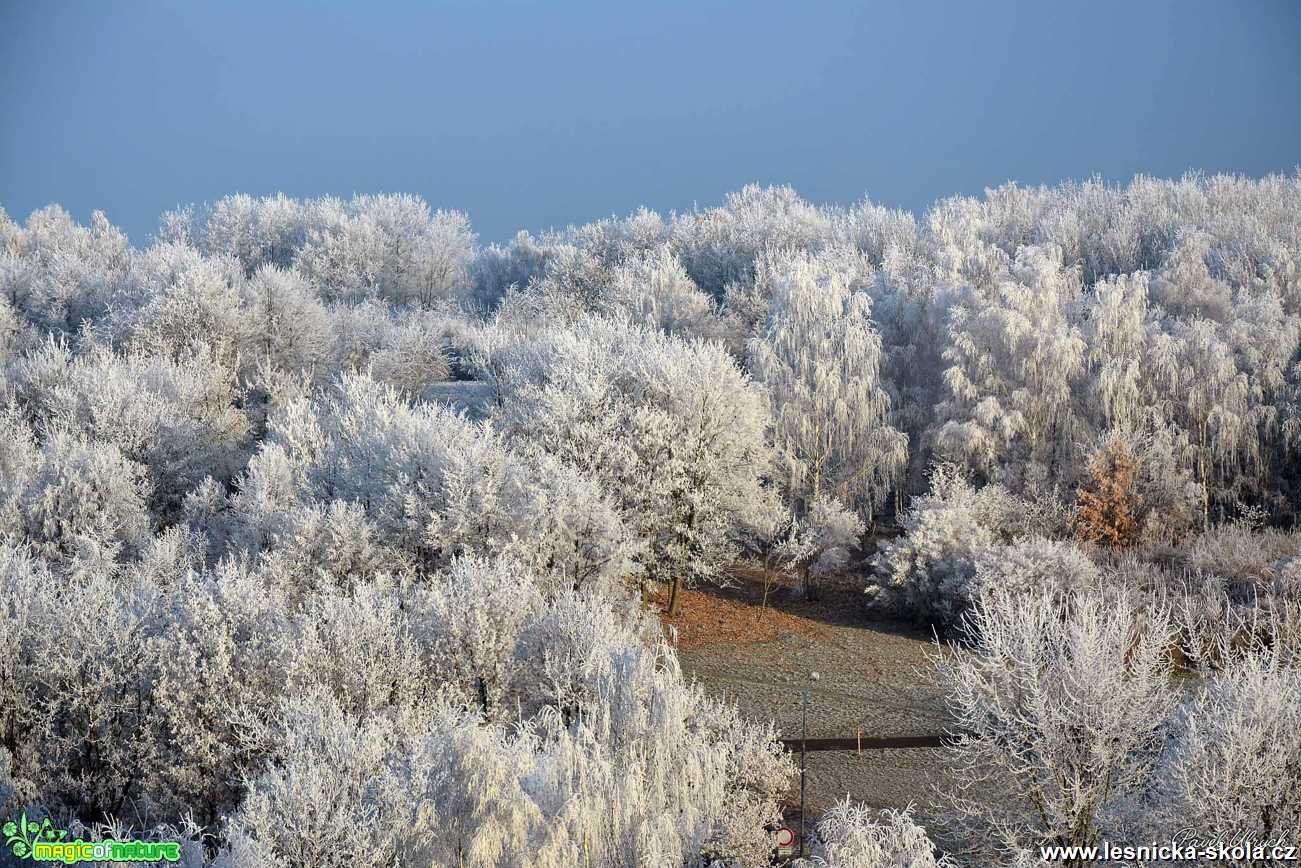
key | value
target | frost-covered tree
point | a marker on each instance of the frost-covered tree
(472, 622)
(412, 356)
(330, 547)
(1211, 399)
(288, 327)
(1117, 331)
(819, 357)
(78, 713)
(928, 571)
(391, 247)
(256, 231)
(369, 622)
(346, 793)
(497, 268)
(1137, 486)
(176, 301)
(1233, 761)
(879, 233)
(174, 416)
(672, 429)
(432, 484)
(223, 483)
(12, 329)
(615, 759)
(61, 275)
(720, 245)
(653, 288)
(1062, 707)
(826, 538)
(79, 503)
(1013, 359)
(220, 668)
(406, 350)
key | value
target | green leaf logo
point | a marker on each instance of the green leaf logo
(22, 836)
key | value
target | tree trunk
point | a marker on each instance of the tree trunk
(673, 595)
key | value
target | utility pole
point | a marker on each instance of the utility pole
(804, 736)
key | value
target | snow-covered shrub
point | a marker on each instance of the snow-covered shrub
(76, 674)
(175, 417)
(1231, 765)
(431, 483)
(288, 327)
(1061, 706)
(175, 301)
(927, 572)
(1034, 566)
(221, 669)
(79, 503)
(1244, 555)
(346, 792)
(851, 835)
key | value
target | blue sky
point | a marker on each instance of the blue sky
(527, 115)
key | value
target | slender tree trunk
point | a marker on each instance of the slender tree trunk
(673, 595)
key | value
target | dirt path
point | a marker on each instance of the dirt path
(870, 675)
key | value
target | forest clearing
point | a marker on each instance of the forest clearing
(873, 679)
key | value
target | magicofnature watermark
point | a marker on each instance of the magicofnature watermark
(43, 842)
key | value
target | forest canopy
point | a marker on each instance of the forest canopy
(349, 512)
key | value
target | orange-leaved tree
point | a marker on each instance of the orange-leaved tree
(1107, 504)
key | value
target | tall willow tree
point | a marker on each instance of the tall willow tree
(820, 358)
(1210, 398)
(1013, 360)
